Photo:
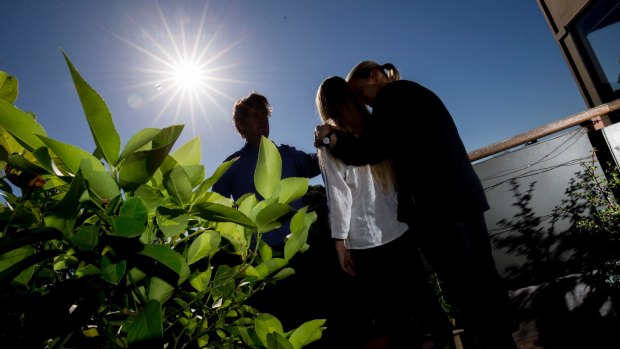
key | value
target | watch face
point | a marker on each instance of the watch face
(326, 140)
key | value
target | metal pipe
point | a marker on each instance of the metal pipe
(545, 130)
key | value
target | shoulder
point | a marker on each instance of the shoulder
(405, 91)
(285, 148)
(234, 155)
(404, 86)
(246, 151)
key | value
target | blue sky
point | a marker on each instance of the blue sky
(495, 64)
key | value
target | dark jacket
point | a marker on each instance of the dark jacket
(411, 126)
(239, 179)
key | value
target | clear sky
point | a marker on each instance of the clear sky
(495, 64)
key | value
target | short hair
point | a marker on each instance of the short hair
(254, 105)
(363, 69)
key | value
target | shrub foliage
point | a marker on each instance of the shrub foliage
(123, 246)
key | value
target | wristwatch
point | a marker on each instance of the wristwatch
(327, 139)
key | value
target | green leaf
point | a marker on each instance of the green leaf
(136, 275)
(137, 141)
(68, 206)
(247, 335)
(208, 183)
(169, 258)
(268, 169)
(21, 125)
(168, 164)
(126, 227)
(190, 153)
(291, 189)
(14, 269)
(8, 87)
(160, 290)
(265, 251)
(35, 235)
(206, 244)
(99, 180)
(11, 258)
(139, 167)
(232, 232)
(99, 118)
(21, 163)
(268, 217)
(167, 136)
(266, 324)
(45, 160)
(251, 273)
(178, 185)
(134, 208)
(278, 341)
(221, 169)
(112, 272)
(152, 197)
(200, 280)
(223, 283)
(171, 222)
(248, 202)
(70, 155)
(300, 225)
(267, 268)
(221, 213)
(86, 237)
(9, 145)
(307, 333)
(86, 270)
(195, 173)
(284, 273)
(147, 330)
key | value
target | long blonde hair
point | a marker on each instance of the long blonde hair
(363, 70)
(334, 99)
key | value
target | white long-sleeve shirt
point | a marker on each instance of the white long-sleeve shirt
(360, 211)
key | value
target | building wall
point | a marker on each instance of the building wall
(548, 165)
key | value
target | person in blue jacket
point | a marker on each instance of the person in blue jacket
(251, 118)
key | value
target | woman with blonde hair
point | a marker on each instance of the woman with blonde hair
(372, 245)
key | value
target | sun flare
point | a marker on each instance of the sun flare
(188, 75)
(183, 68)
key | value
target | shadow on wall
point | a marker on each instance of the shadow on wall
(568, 288)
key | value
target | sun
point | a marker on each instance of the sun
(181, 66)
(188, 76)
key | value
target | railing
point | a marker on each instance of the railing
(593, 114)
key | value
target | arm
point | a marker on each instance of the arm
(306, 165)
(222, 186)
(344, 257)
(351, 149)
(339, 197)
(339, 201)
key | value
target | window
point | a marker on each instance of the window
(599, 33)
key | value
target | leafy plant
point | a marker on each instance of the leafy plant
(572, 274)
(594, 235)
(124, 248)
(590, 246)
